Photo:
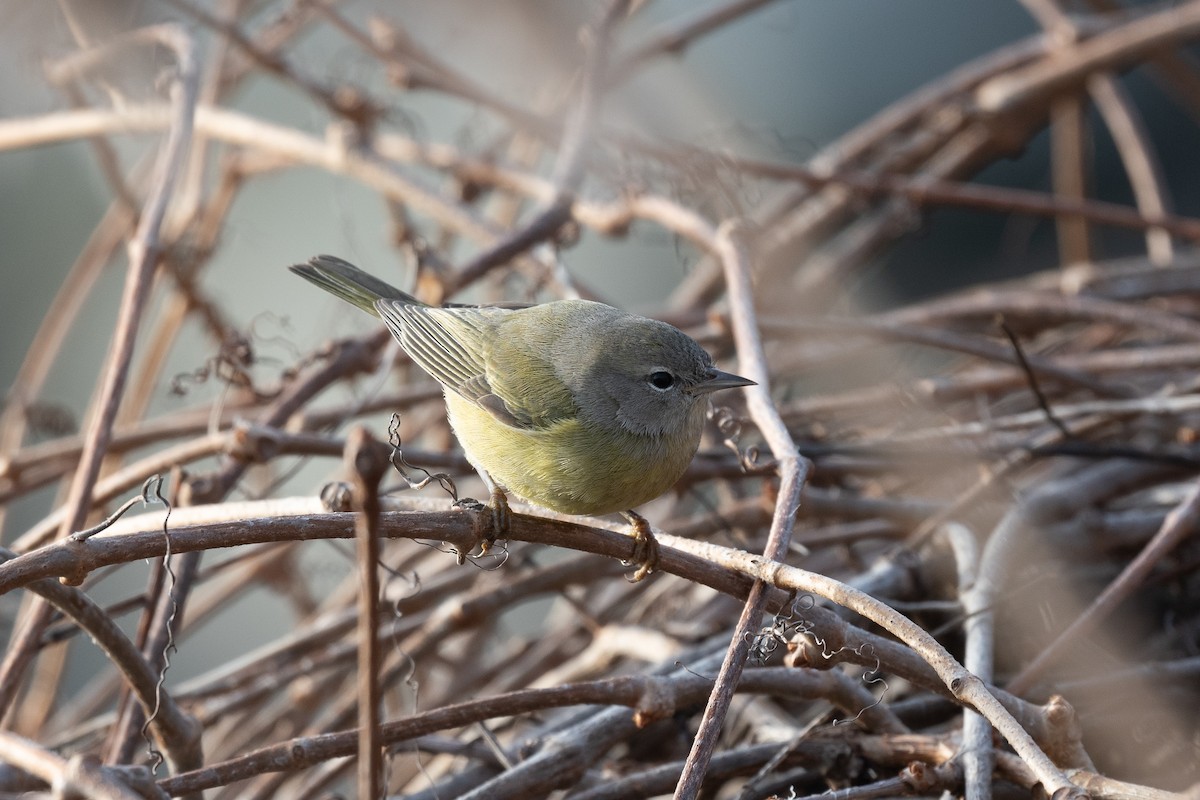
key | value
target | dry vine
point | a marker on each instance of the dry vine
(886, 573)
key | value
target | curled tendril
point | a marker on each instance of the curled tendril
(231, 365)
(402, 466)
(414, 581)
(729, 425)
(497, 554)
(790, 624)
(749, 459)
(805, 602)
(871, 677)
(283, 323)
(151, 493)
(237, 355)
(783, 627)
(326, 353)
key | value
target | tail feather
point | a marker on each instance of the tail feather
(344, 280)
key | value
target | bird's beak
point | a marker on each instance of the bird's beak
(721, 380)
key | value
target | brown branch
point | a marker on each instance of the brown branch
(237, 128)
(937, 192)
(909, 438)
(651, 697)
(351, 105)
(75, 775)
(1071, 66)
(143, 257)
(793, 471)
(176, 732)
(1141, 166)
(1179, 524)
(367, 465)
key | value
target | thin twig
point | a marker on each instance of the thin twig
(675, 37)
(1034, 385)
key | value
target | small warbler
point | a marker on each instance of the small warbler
(575, 406)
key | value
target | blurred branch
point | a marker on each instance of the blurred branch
(1113, 49)
(675, 38)
(367, 465)
(74, 775)
(340, 102)
(236, 128)
(143, 257)
(1180, 522)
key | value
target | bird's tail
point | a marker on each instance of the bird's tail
(343, 279)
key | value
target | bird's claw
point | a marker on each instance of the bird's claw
(645, 548)
(501, 516)
(501, 519)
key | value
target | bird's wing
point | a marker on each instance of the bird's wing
(462, 349)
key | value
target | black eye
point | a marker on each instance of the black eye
(662, 380)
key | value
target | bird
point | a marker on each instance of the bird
(573, 405)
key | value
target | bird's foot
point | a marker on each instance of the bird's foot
(645, 547)
(501, 519)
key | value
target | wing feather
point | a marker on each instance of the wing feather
(453, 345)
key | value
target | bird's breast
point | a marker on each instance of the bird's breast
(572, 466)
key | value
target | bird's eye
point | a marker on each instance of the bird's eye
(662, 380)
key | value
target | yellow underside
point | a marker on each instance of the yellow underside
(569, 469)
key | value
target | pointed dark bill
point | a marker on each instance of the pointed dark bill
(721, 380)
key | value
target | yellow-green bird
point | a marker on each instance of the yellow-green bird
(575, 406)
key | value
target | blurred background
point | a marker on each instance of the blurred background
(778, 83)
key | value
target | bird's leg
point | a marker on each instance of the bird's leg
(645, 546)
(501, 518)
(501, 515)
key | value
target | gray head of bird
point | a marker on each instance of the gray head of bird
(650, 378)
